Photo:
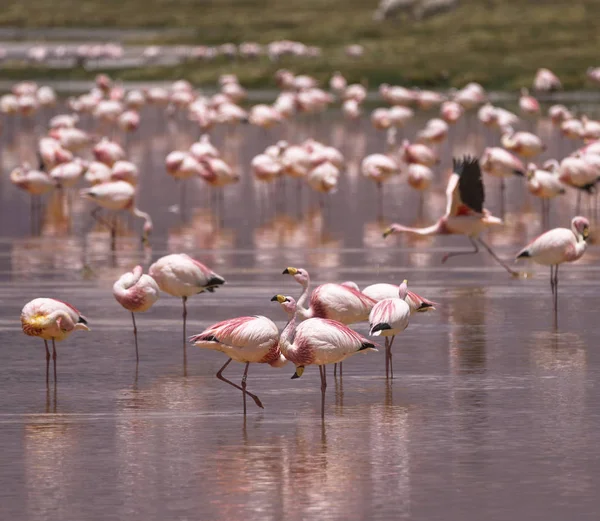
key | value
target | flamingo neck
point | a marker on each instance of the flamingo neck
(62, 319)
(302, 311)
(434, 229)
(287, 335)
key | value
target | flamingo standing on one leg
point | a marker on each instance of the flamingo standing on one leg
(246, 340)
(465, 214)
(333, 301)
(51, 319)
(317, 341)
(388, 318)
(556, 246)
(137, 293)
(181, 276)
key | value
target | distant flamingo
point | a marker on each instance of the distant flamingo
(379, 168)
(51, 319)
(523, 143)
(545, 185)
(557, 246)
(317, 341)
(546, 81)
(528, 104)
(465, 214)
(246, 340)
(115, 196)
(36, 183)
(388, 318)
(137, 293)
(501, 163)
(181, 276)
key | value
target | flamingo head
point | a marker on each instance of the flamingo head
(287, 303)
(300, 275)
(581, 227)
(392, 230)
(403, 290)
(299, 372)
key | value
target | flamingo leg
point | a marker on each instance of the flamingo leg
(184, 299)
(387, 358)
(379, 201)
(556, 288)
(323, 388)
(137, 356)
(457, 253)
(390, 355)
(244, 384)
(552, 279)
(496, 258)
(341, 370)
(54, 358)
(502, 197)
(222, 378)
(47, 362)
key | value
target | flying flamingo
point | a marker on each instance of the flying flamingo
(51, 319)
(557, 246)
(317, 341)
(181, 276)
(115, 196)
(246, 340)
(333, 301)
(137, 293)
(465, 214)
(388, 318)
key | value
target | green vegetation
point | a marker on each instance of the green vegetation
(500, 46)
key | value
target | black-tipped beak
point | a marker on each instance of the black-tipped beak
(285, 272)
(295, 375)
(275, 299)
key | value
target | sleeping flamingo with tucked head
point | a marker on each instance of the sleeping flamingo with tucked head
(137, 293)
(557, 246)
(246, 340)
(317, 341)
(181, 276)
(465, 214)
(51, 319)
(389, 317)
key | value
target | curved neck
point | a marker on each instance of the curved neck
(429, 230)
(302, 311)
(62, 319)
(287, 335)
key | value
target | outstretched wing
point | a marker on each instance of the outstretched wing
(470, 184)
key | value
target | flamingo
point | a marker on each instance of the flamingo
(545, 185)
(246, 340)
(51, 319)
(317, 341)
(556, 246)
(182, 276)
(546, 81)
(528, 104)
(501, 163)
(383, 290)
(379, 168)
(465, 214)
(523, 143)
(337, 302)
(389, 317)
(137, 293)
(36, 183)
(115, 196)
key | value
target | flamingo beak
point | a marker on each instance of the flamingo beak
(299, 372)
(290, 271)
(278, 298)
(387, 232)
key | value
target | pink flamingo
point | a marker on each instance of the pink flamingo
(115, 196)
(556, 246)
(246, 340)
(383, 290)
(546, 81)
(51, 319)
(528, 104)
(388, 318)
(501, 163)
(333, 301)
(36, 183)
(317, 341)
(523, 143)
(137, 293)
(544, 184)
(465, 214)
(379, 168)
(181, 276)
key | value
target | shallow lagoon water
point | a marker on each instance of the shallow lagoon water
(493, 414)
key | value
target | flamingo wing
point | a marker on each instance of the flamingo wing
(470, 183)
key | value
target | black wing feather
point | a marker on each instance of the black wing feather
(470, 183)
